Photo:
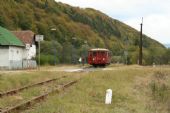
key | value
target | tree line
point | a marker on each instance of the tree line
(76, 31)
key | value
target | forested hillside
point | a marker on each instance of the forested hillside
(71, 31)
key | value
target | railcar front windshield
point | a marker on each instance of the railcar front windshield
(95, 53)
(102, 53)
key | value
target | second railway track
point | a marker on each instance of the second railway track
(23, 106)
(14, 91)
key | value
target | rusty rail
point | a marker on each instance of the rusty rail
(14, 91)
(35, 100)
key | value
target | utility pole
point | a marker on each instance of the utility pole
(39, 38)
(85, 52)
(126, 51)
(140, 45)
(39, 45)
(46, 4)
(55, 51)
(73, 39)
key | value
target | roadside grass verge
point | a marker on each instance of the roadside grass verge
(160, 92)
(155, 91)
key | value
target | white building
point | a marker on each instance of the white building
(13, 52)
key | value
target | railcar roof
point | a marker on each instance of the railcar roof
(99, 49)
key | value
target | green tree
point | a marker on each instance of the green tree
(2, 21)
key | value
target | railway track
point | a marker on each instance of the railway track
(14, 91)
(31, 102)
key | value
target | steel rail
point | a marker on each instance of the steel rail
(31, 102)
(14, 91)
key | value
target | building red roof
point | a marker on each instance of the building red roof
(27, 37)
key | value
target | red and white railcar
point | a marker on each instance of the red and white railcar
(99, 57)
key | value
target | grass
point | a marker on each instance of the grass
(131, 93)
(160, 91)
(15, 79)
(135, 90)
(11, 80)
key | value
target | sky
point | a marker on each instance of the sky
(155, 13)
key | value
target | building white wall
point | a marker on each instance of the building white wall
(4, 57)
(16, 53)
(31, 53)
(12, 57)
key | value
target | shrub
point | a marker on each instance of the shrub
(47, 59)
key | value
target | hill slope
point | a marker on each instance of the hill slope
(167, 45)
(76, 30)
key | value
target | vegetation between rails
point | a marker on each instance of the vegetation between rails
(22, 78)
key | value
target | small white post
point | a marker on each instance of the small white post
(108, 99)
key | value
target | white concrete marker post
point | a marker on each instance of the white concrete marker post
(108, 99)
